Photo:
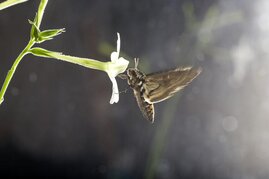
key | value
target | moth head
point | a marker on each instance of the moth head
(134, 72)
(135, 77)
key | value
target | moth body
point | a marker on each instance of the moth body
(156, 87)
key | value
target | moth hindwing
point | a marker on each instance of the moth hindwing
(156, 87)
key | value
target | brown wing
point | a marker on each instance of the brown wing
(146, 108)
(160, 86)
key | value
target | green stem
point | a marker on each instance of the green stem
(25, 51)
(40, 12)
(13, 69)
(158, 144)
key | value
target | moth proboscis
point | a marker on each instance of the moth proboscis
(156, 87)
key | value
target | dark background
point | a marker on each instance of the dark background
(56, 119)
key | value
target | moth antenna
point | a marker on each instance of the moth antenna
(136, 62)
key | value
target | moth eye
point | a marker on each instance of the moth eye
(130, 71)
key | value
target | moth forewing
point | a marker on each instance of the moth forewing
(160, 86)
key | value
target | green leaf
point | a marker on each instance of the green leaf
(49, 34)
(34, 34)
(9, 3)
(42, 52)
(40, 37)
(1, 100)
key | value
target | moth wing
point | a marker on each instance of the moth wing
(160, 86)
(152, 85)
(146, 108)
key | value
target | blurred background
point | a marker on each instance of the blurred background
(56, 119)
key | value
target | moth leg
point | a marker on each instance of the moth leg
(124, 91)
(122, 76)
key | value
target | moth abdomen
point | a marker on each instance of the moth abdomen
(149, 110)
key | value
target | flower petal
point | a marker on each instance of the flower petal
(115, 91)
(123, 65)
(118, 43)
(115, 67)
(114, 56)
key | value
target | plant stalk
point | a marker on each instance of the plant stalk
(13, 69)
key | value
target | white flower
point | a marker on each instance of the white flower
(116, 66)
